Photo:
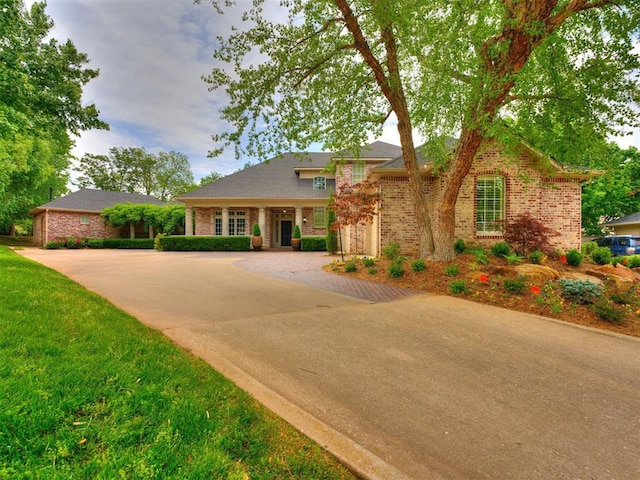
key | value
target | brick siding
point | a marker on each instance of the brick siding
(67, 224)
(555, 202)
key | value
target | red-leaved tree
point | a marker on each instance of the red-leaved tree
(355, 205)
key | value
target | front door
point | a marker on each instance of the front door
(286, 227)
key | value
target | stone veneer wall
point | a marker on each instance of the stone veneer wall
(555, 202)
(67, 224)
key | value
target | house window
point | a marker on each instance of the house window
(319, 217)
(237, 223)
(490, 202)
(357, 174)
(85, 220)
(319, 183)
(218, 224)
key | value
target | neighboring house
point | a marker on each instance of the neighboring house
(629, 225)
(78, 215)
(293, 189)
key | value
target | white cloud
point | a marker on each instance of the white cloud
(151, 55)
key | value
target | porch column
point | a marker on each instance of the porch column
(225, 221)
(132, 230)
(151, 235)
(299, 218)
(188, 221)
(262, 223)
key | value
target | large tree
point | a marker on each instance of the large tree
(616, 193)
(337, 70)
(41, 82)
(133, 169)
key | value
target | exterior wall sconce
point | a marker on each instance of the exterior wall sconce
(304, 219)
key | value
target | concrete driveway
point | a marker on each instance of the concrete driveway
(423, 387)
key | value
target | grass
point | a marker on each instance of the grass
(86, 391)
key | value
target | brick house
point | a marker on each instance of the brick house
(293, 189)
(78, 215)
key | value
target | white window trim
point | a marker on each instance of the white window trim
(497, 215)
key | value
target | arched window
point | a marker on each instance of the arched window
(490, 205)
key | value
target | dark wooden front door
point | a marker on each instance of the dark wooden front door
(286, 227)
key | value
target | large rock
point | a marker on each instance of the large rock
(537, 274)
(619, 279)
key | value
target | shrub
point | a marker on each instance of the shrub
(396, 269)
(296, 232)
(332, 235)
(451, 270)
(95, 243)
(391, 251)
(634, 261)
(481, 256)
(368, 262)
(196, 243)
(516, 285)
(372, 271)
(314, 244)
(588, 247)
(73, 242)
(418, 265)
(255, 230)
(601, 256)
(55, 244)
(459, 246)
(350, 266)
(458, 287)
(608, 312)
(580, 291)
(513, 258)
(527, 233)
(500, 249)
(141, 243)
(537, 256)
(574, 258)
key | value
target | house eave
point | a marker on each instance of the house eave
(38, 210)
(272, 202)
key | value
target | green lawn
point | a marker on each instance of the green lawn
(86, 391)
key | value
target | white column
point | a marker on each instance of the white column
(188, 221)
(151, 231)
(132, 230)
(225, 222)
(299, 218)
(262, 223)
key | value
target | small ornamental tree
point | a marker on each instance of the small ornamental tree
(332, 238)
(526, 234)
(355, 205)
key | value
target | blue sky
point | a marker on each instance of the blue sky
(152, 55)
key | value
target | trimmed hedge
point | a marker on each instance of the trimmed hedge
(193, 243)
(314, 244)
(127, 243)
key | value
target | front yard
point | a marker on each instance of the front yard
(491, 279)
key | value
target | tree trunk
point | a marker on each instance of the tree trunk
(445, 221)
(418, 198)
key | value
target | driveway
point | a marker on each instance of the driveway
(409, 386)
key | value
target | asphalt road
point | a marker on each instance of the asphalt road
(425, 387)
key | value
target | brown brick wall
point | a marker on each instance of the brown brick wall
(67, 224)
(556, 202)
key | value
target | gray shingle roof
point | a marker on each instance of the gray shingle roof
(633, 218)
(91, 200)
(276, 178)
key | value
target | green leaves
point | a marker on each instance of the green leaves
(134, 170)
(41, 84)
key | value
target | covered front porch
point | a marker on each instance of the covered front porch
(277, 221)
